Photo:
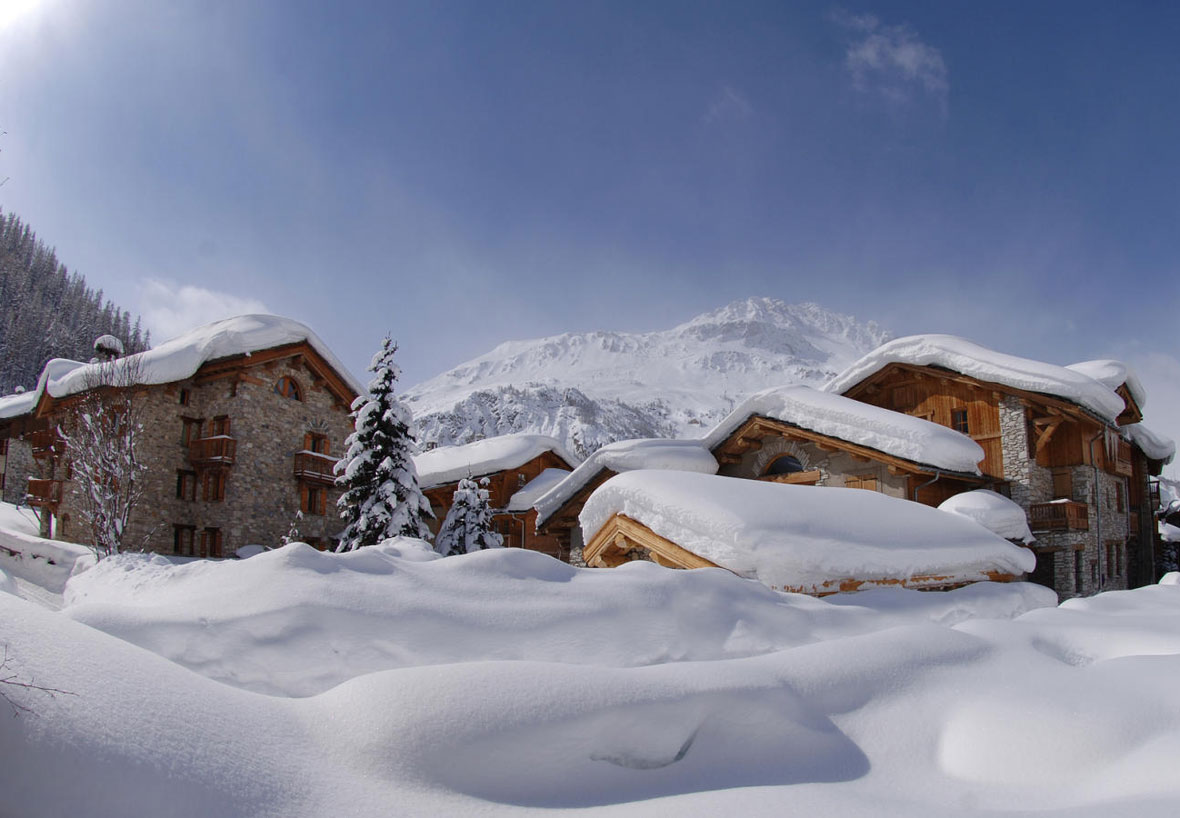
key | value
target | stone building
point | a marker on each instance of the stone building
(242, 423)
(1065, 443)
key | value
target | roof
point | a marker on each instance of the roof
(627, 455)
(181, 357)
(1113, 374)
(835, 416)
(803, 536)
(527, 495)
(449, 464)
(971, 359)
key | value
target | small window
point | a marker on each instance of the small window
(959, 421)
(186, 485)
(211, 542)
(191, 430)
(185, 395)
(213, 486)
(288, 388)
(182, 540)
(219, 426)
(867, 482)
(1120, 503)
(313, 500)
(315, 442)
(787, 464)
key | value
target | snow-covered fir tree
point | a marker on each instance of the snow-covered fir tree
(468, 525)
(381, 497)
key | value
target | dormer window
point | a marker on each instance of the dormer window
(959, 421)
(288, 388)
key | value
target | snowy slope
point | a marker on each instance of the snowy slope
(593, 388)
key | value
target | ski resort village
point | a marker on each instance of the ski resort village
(239, 583)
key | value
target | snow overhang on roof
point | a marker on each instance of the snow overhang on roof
(971, 359)
(627, 455)
(1113, 374)
(909, 438)
(181, 357)
(1155, 446)
(449, 464)
(803, 537)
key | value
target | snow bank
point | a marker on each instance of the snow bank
(449, 464)
(1156, 447)
(963, 356)
(993, 511)
(628, 455)
(894, 433)
(181, 357)
(46, 563)
(1113, 374)
(803, 536)
(539, 486)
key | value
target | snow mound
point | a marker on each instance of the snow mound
(1155, 446)
(968, 358)
(449, 464)
(802, 537)
(910, 438)
(181, 357)
(993, 511)
(628, 455)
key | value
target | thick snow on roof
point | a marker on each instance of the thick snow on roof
(537, 487)
(628, 455)
(182, 356)
(24, 402)
(993, 511)
(1155, 446)
(968, 358)
(803, 536)
(449, 464)
(1113, 374)
(894, 433)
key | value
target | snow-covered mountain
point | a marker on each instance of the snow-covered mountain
(589, 389)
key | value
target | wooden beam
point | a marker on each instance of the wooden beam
(1047, 433)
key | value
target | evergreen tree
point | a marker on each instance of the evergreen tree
(381, 497)
(468, 525)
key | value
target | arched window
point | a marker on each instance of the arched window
(787, 464)
(288, 388)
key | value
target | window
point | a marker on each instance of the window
(787, 464)
(315, 442)
(182, 540)
(219, 426)
(191, 430)
(185, 396)
(213, 486)
(288, 388)
(211, 542)
(1120, 504)
(1078, 563)
(861, 481)
(313, 499)
(186, 485)
(959, 421)
(1062, 483)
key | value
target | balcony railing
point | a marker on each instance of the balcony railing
(44, 493)
(315, 467)
(1061, 515)
(47, 443)
(219, 450)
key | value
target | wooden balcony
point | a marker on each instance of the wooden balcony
(47, 444)
(315, 468)
(219, 450)
(44, 493)
(1062, 515)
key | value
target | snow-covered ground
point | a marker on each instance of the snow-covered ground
(390, 682)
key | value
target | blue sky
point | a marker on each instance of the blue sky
(463, 173)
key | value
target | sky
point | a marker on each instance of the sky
(464, 173)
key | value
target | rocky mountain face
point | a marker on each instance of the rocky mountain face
(589, 389)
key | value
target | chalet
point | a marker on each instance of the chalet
(790, 537)
(518, 469)
(243, 419)
(558, 509)
(1065, 443)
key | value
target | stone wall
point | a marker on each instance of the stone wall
(833, 467)
(18, 468)
(262, 496)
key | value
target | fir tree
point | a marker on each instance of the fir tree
(381, 497)
(468, 525)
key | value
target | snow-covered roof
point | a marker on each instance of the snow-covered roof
(1155, 446)
(803, 536)
(182, 356)
(968, 358)
(537, 487)
(628, 455)
(1113, 374)
(447, 464)
(993, 511)
(24, 402)
(893, 433)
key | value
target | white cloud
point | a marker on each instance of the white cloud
(169, 309)
(728, 104)
(1159, 373)
(891, 61)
